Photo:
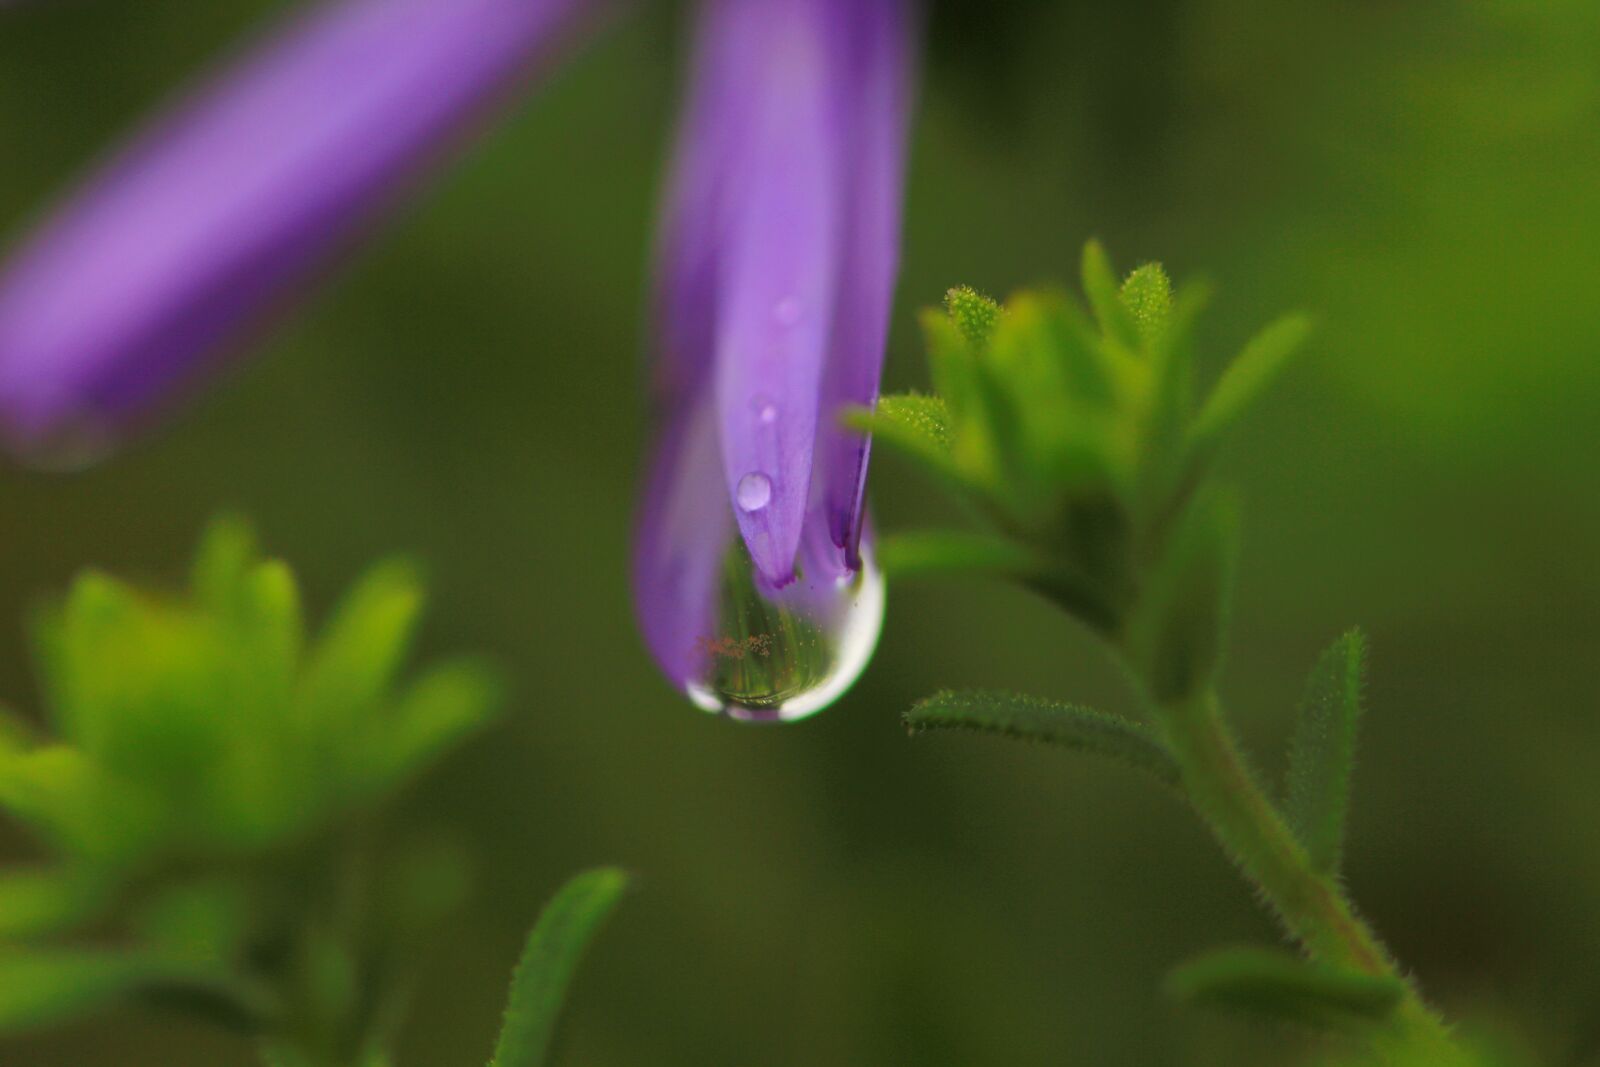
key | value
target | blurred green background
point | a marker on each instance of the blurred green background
(1422, 176)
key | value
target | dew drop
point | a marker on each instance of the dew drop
(786, 311)
(781, 655)
(765, 409)
(753, 492)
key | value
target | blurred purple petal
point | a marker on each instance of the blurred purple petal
(684, 532)
(216, 211)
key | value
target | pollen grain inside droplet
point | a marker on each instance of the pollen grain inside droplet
(754, 491)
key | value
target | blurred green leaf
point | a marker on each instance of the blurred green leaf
(1033, 718)
(1322, 750)
(1275, 984)
(202, 919)
(66, 797)
(227, 550)
(360, 650)
(39, 987)
(921, 552)
(43, 901)
(548, 961)
(1247, 378)
(1105, 297)
(1179, 633)
(441, 708)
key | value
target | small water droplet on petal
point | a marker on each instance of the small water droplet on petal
(754, 491)
(766, 411)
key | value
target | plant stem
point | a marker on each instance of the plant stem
(1311, 905)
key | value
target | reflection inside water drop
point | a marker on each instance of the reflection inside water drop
(776, 655)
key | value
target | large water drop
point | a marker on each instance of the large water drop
(777, 655)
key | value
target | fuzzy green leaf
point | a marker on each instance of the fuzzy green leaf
(974, 314)
(1037, 719)
(912, 422)
(1273, 983)
(1248, 377)
(1179, 634)
(552, 954)
(1147, 294)
(1322, 751)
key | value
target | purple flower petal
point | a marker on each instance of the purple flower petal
(778, 273)
(684, 532)
(215, 212)
(777, 268)
(879, 80)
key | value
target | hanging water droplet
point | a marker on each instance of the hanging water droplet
(787, 311)
(777, 655)
(754, 491)
(767, 414)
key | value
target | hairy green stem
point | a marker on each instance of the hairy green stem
(1311, 905)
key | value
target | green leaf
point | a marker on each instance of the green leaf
(916, 425)
(1322, 751)
(227, 550)
(362, 646)
(552, 954)
(1273, 983)
(1147, 294)
(1033, 718)
(974, 314)
(1058, 431)
(1105, 297)
(921, 552)
(1247, 378)
(65, 796)
(977, 422)
(1178, 635)
(44, 901)
(42, 987)
(445, 705)
(925, 417)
